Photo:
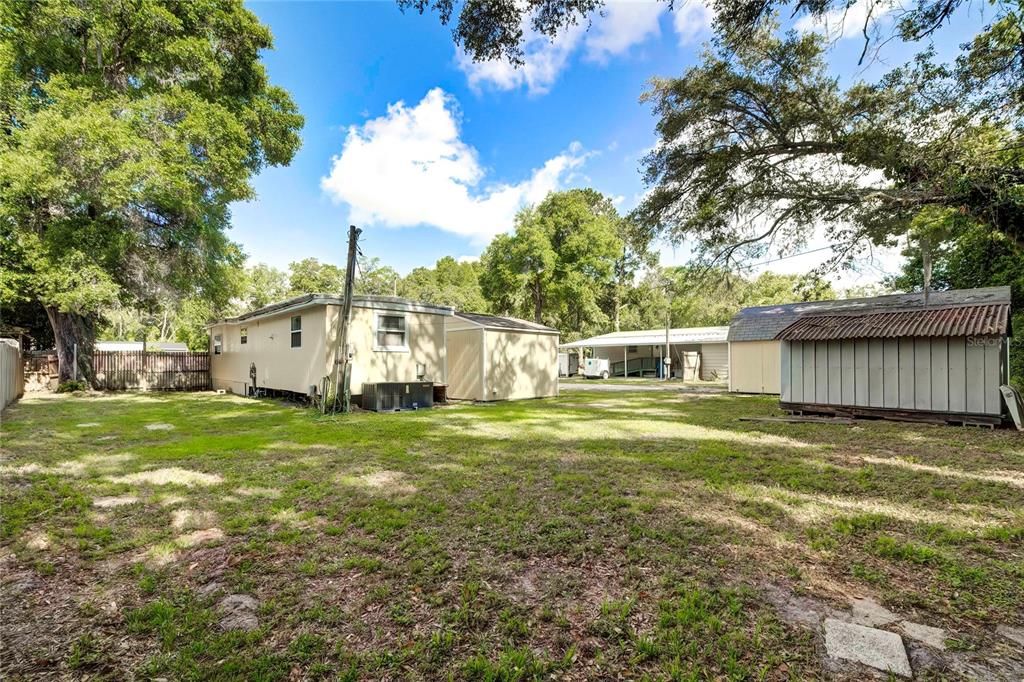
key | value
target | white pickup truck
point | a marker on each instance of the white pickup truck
(596, 368)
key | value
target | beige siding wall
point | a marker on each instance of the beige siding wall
(465, 364)
(520, 365)
(754, 366)
(714, 359)
(12, 372)
(283, 368)
(278, 365)
(425, 340)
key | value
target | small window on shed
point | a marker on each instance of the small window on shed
(631, 349)
(217, 343)
(391, 332)
(297, 331)
(243, 335)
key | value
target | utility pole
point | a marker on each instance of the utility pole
(343, 366)
(666, 366)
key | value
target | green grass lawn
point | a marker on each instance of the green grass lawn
(597, 535)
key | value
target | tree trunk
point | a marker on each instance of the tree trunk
(71, 330)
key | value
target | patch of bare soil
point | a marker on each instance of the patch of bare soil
(118, 501)
(168, 476)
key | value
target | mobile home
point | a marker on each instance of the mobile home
(291, 346)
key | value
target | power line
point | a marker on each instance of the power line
(792, 255)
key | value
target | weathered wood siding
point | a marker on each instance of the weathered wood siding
(931, 374)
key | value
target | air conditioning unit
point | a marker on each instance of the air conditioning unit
(391, 396)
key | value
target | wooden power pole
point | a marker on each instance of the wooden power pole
(343, 365)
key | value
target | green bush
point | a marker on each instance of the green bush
(72, 386)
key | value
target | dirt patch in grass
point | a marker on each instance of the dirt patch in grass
(186, 519)
(168, 476)
(118, 501)
(384, 482)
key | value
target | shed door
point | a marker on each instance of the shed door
(755, 366)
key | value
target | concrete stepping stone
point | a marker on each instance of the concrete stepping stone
(238, 612)
(870, 613)
(159, 427)
(879, 649)
(926, 634)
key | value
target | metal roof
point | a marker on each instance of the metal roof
(653, 337)
(763, 323)
(509, 323)
(965, 320)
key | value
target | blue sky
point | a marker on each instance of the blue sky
(431, 154)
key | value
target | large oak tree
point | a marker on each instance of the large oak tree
(126, 130)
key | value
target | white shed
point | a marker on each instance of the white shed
(500, 358)
(939, 361)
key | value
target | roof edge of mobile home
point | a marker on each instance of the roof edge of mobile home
(359, 300)
(653, 337)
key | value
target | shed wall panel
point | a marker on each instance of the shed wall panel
(465, 369)
(796, 371)
(906, 374)
(975, 377)
(922, 374)
(848, 374)
(890, 373)
(835, 373)
(939, 379)
(808, 363)
(861, 390)
(957, 358)
(876, 373)
(821, 372)
(755, 367)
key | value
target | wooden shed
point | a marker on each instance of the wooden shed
(500, 358)
(941, 360)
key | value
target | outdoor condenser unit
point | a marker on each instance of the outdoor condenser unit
(398, 395)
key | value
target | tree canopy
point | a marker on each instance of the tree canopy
(129, 128)
(759, 146)
(555, 266)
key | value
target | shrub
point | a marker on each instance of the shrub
(72, 386)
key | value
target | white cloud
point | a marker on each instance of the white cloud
(622, 25)
(847, 22)
(410, 167)
(691, 19)
(543, 61)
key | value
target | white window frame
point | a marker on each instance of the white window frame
(218, 344)
(377, 329)
(292, 331)
(243, 336)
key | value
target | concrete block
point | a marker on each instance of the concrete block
(876, 648)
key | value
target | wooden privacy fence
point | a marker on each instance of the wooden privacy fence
(151, 371)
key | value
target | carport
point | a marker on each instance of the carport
(696, 352)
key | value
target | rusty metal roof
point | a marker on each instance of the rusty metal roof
(957, 320)
(763, 323)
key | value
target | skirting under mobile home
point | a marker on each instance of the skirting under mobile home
(936, 363)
